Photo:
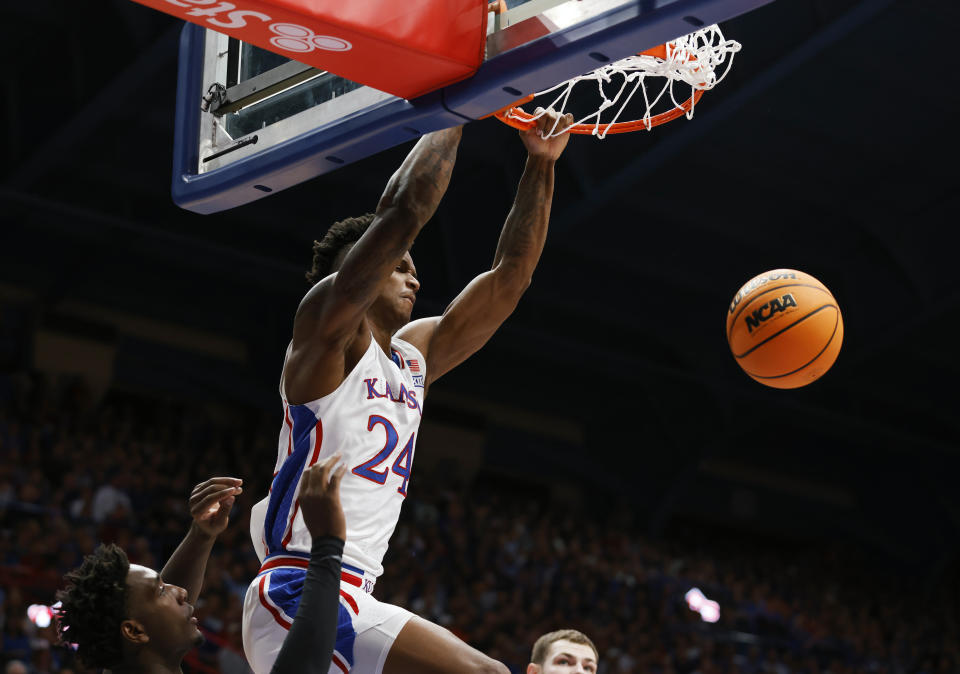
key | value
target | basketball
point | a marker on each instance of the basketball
(784, 328)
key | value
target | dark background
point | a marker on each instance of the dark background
(829, 149)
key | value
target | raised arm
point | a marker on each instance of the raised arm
(331, 313)
(210, 505)
(476, 313)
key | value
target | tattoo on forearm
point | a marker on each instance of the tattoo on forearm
(415, 190)
(525, 230)
(436, 165)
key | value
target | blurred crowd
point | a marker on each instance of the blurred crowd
(499, 569)
(497, 562)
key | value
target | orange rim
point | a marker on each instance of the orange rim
(518, 118)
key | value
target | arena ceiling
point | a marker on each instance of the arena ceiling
(829, 149)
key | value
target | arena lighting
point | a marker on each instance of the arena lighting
(708, 609)
(40, 615)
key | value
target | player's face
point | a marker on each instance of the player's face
(163, 611)
(566, 657)
(400, 292)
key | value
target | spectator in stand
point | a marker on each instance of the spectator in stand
(111, 499)
(129, 618)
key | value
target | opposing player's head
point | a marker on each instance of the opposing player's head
(395, 303)
(563, 652)
(122, 614)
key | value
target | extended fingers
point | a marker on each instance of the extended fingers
(316, 479)
(204, 504)
(328, 467)
(213, 487)
(543, 118)
(551, 122)
(213, 481)
(336, 477)
(306, 481)
(224, 506)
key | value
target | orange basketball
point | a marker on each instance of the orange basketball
(784, 328)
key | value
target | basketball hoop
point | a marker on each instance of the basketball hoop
(693, 59)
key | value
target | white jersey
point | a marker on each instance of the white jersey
(372, 419)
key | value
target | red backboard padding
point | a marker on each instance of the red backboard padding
(404, 48)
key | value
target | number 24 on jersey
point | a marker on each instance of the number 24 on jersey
(402, 464)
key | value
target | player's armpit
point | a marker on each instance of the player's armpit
(420, 333)
(469, 321)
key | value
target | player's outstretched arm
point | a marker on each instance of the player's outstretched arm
(476, 313)
(210, 505)
(308, 646)
(330, 315)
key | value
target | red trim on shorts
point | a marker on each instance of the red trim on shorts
(283, 561)
(273, 611)
(351, 601)
(339, 663)
(350, 578)
(300, 563)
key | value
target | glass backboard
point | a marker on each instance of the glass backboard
(251, 122)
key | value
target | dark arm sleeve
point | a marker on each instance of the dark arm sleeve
(308, 646)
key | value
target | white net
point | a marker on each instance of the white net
(699, 61)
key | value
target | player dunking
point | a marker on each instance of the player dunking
(354, 380)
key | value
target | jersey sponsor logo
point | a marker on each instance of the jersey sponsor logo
(769, 310)
(403, 397)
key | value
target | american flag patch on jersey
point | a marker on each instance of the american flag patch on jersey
(414, 364)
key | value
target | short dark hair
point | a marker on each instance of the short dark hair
(93, 606)
(340, 234)
(542, 646)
